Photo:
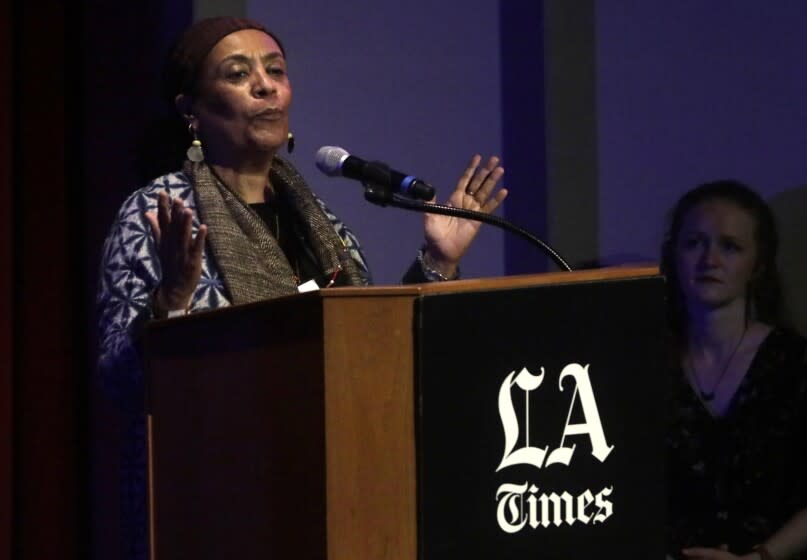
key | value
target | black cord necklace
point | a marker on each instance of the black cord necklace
(279, 227)
(709, 396)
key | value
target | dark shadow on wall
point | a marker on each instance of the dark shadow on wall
(790, 209)
(572, 151)
(118, 94)
(523, 124)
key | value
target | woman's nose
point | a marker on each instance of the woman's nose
(710, 255)
(263, 84)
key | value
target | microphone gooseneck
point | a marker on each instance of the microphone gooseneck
(386, 187)
(418, 206)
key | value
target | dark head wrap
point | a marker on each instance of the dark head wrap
(194, 44)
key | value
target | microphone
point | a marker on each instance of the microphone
(335, 161)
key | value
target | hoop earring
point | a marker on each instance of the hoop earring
(195, 153)
(290, 143)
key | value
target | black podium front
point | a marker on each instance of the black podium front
(540, 422)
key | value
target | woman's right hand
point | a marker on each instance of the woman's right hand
(179, 252)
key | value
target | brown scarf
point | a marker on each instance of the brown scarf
(252, 264)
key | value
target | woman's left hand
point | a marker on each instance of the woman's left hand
(447, 237)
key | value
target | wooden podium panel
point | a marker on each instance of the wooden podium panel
(288, 427)
(267, 442)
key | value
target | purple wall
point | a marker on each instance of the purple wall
(690, 92)
(694, 91)
(416, 85)
(681, 93)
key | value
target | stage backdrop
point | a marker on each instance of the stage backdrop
(416, 85)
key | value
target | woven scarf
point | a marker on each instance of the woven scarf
(252, 264)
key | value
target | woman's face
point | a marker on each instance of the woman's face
(243, 97)
(716, 254)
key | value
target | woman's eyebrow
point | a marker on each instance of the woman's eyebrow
(245, 59)
(272, 56)
(236, 58)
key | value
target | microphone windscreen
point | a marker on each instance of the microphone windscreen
(330, 159)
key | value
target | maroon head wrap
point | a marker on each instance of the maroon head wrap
(194, 44)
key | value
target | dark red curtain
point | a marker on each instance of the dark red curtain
(43, 317)
(78, 82)
(6, 244)
(122, 51)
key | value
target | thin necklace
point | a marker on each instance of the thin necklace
(291, 257)
(709, 396)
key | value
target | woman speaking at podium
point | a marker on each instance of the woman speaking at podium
(738, 443)
(236, 223)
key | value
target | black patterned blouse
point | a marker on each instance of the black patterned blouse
(738, 478)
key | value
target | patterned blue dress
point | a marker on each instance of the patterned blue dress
(130, 274)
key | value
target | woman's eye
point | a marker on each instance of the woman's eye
(690, 242)
(237, 75)
(276, 71)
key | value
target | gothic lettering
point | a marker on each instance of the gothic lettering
(592, 426)
(520, 505)
(537, 456)
(527, 455)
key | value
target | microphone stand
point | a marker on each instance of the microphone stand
(382, 195)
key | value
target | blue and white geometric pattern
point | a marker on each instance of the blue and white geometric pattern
(130, 274)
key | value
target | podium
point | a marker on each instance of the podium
(498, 418)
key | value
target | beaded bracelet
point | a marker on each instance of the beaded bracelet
(177, 313)
(430, 273)
(159, 312)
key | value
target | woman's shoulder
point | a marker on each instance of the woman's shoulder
(787, 343)
(783, 357)
(176, 184)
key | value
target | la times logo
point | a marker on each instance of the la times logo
(519, 505)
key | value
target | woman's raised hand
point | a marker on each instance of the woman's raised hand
(180, 253)
(447, 237)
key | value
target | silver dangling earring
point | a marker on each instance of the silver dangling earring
(195, 153)
(290, 143)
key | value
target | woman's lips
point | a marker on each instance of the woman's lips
(268, 115)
